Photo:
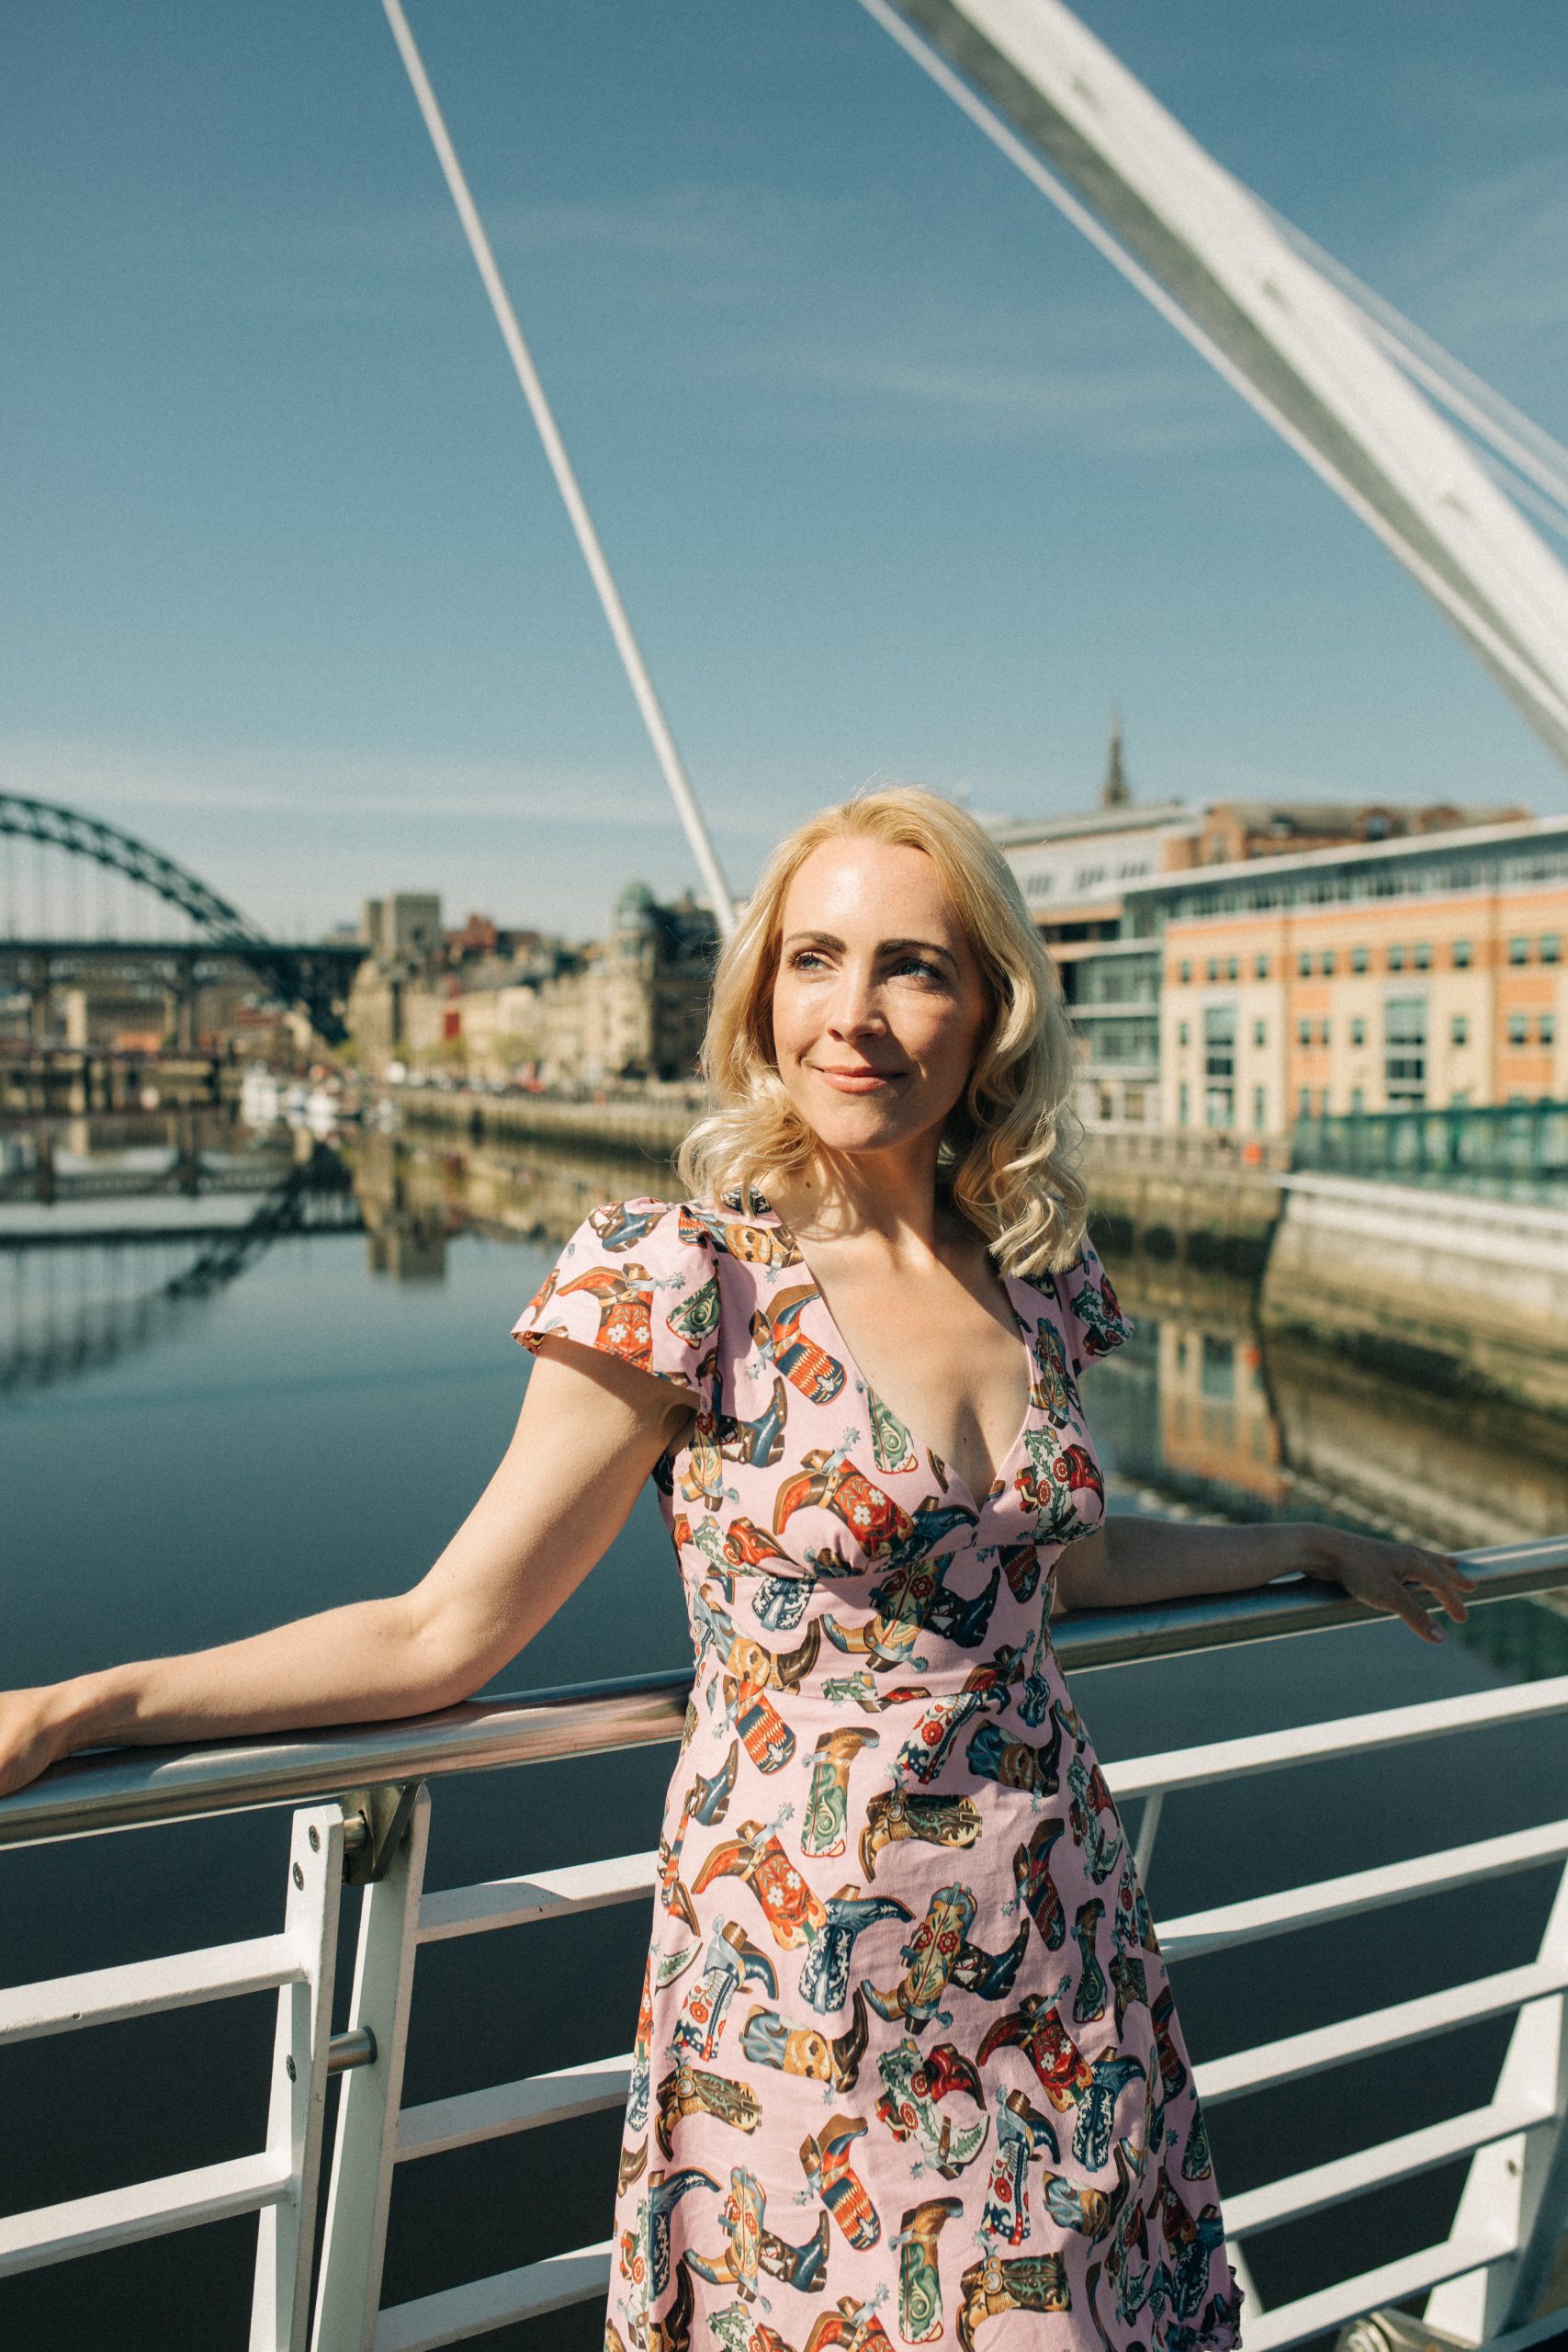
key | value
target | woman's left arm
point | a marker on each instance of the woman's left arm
(1131, 1561)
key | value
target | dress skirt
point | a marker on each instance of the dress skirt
(907, 2069)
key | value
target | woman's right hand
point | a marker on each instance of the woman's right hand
(33, 1734)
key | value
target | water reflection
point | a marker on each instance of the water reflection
(111, 1234)
(1203, 1411)
(109, 1229)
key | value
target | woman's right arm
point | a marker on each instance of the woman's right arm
(590, 1432)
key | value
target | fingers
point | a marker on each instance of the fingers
(1414, 1571)
(1403, 1578)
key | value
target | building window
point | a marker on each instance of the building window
(1358, 959)
(1186, 970)
(1231, 969)
(1329, 960)
(1518, 950)
(1260, 1033)
(1260, 1108)
(1462, 953)
(1357, 1100)
(1404, 1052)
(1323, 1104)
(1260, 968)
(1219, 1066)
(1303, 1033)
(1303, 965)
(1396, 959)
(1357, 1033)
(1213, 968)
(1181, 1112)
(1323, 1033)
(1459, 1030)
(1216, 1369)
(1518, 1028)
(1547, 1031)
(1422, 956)
(1181, 1032)
(1551, 948)
(1304, 1104)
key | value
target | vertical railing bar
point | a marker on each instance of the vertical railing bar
(363, 2159)
(281, 2300)
(1543, 2176)
(1517, 2186)
(1148, 1827)
(1252, 2302)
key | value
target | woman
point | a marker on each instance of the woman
(907, 2059)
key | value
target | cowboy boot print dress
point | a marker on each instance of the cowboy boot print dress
(906, 2070)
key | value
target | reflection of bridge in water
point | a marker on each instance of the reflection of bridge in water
(74, 1298)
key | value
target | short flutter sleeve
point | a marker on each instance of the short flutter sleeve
(1095, 1322)
(638, 1280)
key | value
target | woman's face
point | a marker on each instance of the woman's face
(878, 1006)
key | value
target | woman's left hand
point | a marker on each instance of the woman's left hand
(1394, 1577)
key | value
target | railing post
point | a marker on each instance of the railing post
(1521, 2183)
(280, 2301)
(366, 2151)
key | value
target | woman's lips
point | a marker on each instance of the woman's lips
(857, 1082)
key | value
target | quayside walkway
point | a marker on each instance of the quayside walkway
(361, 1798)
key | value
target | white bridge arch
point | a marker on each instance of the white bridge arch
(1333, 379)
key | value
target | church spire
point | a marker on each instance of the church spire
(1115, 791)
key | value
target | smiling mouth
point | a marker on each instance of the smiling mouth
(856, 1082)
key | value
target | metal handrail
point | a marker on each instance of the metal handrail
(131, 1788)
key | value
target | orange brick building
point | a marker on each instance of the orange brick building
(1416, 972)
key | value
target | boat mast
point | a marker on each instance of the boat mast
(576, 505)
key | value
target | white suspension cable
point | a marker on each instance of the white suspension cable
(1552, 512)
(1515, 437)
(599, 570)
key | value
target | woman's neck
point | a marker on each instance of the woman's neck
(893, 1195)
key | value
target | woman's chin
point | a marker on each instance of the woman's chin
(852, 1128)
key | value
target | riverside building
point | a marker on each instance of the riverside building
(1424, 972)
(1105, 887)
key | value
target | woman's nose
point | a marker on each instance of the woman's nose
(856, 1005)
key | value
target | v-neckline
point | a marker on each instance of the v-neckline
(956, 1476)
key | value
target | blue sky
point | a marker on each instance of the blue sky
(898, 477)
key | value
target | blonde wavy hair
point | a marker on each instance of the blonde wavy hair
(1008, 1154)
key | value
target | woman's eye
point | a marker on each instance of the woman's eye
(918, 964)
(805, 959)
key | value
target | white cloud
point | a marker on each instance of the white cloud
(284, 779)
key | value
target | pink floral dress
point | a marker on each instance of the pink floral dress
(906, 2070)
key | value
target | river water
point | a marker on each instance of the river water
(211, 1418)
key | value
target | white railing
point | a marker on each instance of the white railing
(1488, 2273)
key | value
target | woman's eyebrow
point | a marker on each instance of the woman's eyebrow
(884, 947)
(926, 947)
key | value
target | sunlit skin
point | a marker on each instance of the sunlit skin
(878, 1013)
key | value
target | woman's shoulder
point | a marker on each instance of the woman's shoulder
(1095, 1323)
(661, 1233)
(1086, 1306)
(637, 1281)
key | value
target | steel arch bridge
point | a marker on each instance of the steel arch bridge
(311, 977)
